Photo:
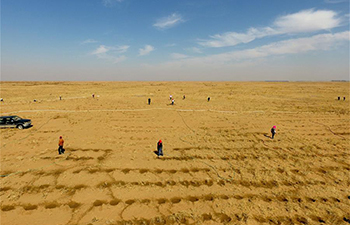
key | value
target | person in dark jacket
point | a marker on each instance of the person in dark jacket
(149, 101)
(273, 132)
(160, 148)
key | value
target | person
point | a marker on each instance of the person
(172, 101)
(60, 97)
(149, 101)
(93, 95)
(1, 100)
(160, 148)
(183, 98)
(273, 132)
(208, 99)
(60, 146)
(344, 98)
(170, 97)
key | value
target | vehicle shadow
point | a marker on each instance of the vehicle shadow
(15, 127)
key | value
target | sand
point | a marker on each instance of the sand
(220, 165)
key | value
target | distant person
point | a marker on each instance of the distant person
(34, 100)
(183, 97)
(60, 146)
(149, 101)
(172, 101)
(208, 99)
(160, 148)
(343, 98)
(93, 95)
(170, 97)
(1, 100)
(273, 132)
(60, 97)
(338, 98)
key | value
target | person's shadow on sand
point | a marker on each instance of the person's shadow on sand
(267, 136)
(156, 152)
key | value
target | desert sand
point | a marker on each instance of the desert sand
(220, 165)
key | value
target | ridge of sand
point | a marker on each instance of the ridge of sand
(220, 165)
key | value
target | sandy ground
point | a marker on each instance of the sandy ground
(220, 165)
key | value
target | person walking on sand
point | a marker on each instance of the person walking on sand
(172, 101)
(60, 146)
(149, 101)
(273, 132)
(160, 148)
(170, 97)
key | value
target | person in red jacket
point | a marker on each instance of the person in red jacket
(273, 131)
(60, 146)
(160, 148)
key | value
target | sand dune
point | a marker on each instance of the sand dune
(220, 164)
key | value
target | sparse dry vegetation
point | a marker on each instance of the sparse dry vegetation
(219, 167)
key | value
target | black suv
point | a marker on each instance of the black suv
(14, 121)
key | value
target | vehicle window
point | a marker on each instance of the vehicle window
(2, 120)
(16, 118)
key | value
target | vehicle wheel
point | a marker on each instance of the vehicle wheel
(20, 127)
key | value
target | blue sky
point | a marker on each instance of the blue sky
(174, 40)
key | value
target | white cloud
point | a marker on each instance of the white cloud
(300, 22)
(267, 62)
(109, 3)
(88, 41)
(178, 56)
(307, 21)
(145, 51)
(169, 21)
(119, 59)
(233, 38)
(291, 46)
(194, 49)
(122, 49)
(102, 50)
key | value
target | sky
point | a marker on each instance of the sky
(174, 40)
